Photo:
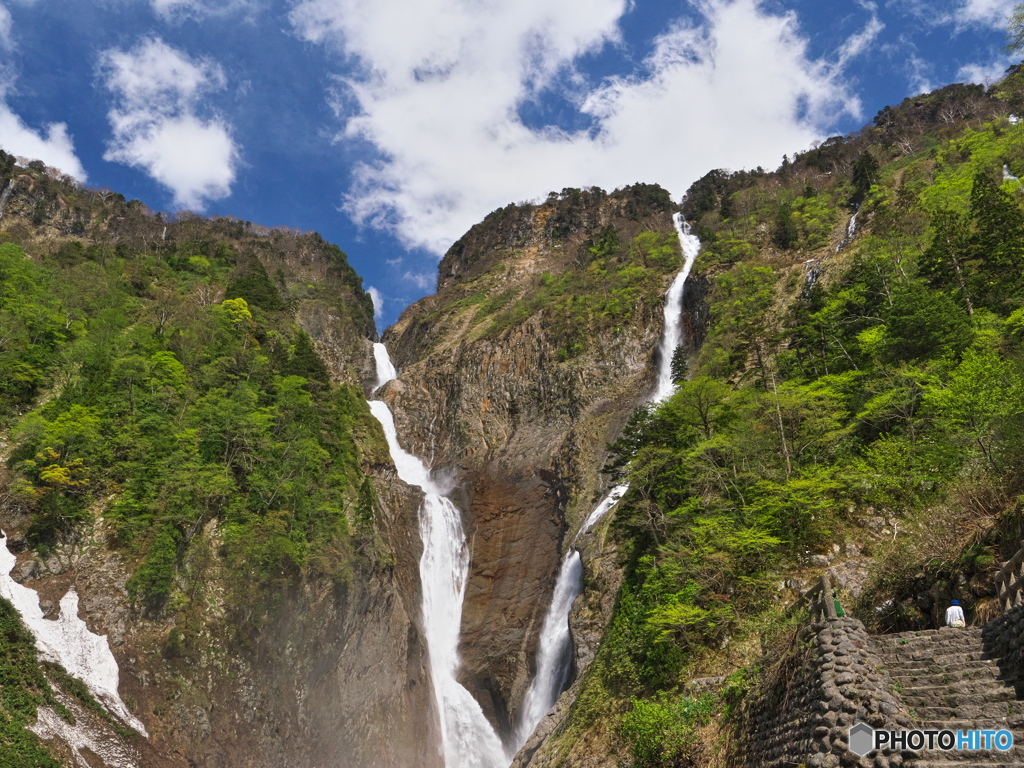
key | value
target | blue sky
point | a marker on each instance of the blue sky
(391, 126)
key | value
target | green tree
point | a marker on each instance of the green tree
(306, 362)
(977, 403)
(785, 233)
(1015, 30)
(865, 174)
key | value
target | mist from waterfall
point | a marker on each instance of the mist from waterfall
(468, 740)
(554, 648)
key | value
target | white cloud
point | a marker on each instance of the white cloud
(378, 302)
(176, 10)
(919, 73)
(986, 12)
(984, 74)
(860, 42)
(5, 27)
(422, 280)
(443, 80)
(156, 124)
(52, 144)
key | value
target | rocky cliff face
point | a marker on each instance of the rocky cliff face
(320, 670)
(513, 378)
(330, 672)
(491, 392)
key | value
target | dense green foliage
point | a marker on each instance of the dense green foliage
(887, 379)
(176, 390)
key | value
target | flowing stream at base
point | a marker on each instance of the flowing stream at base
(554, 649)
(467, 738)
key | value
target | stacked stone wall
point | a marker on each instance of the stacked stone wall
(1003, 640)
(831, 679)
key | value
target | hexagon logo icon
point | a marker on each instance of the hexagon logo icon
(862, 739)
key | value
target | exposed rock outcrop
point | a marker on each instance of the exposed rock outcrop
(520, 423)
(332, 672)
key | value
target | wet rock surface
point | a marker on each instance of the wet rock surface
(520, 429)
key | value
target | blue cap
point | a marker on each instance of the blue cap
(954, 602)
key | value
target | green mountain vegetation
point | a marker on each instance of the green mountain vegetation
(840, 379)
(162, 381)
(601, 261)
(154, 374)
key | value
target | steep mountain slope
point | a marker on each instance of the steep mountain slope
(178, 451)
(855, 405)
(513, 378)
(187, 442)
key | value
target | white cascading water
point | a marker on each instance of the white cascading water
(672, 331)
(554, 647)
(5, 196)
(67, 640)
(468, 740)
(851, 230)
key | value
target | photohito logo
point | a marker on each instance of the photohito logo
(863, 739)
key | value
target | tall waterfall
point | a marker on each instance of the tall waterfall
(672, 333)
(554, 649)
(468, 740)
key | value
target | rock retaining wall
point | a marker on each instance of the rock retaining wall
(832, 679)
(1003, 639)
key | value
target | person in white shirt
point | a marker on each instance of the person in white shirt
(955, 615)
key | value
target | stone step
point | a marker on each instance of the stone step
(957, 659)
(1014, 724)
(997, 710)
(941, 631)
(1012, 756)
(955, 757)
(923, 677)
(963, 686)
(887, 645)
(968, 635)
(939, 646)
(949, 697)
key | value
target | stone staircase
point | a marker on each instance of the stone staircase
(948, 682)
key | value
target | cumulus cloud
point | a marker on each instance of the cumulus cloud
(52, 144)
(378, 302)
(156, 122)
(443, 83)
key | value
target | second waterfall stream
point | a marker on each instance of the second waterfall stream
(554, 649)
(467, 738)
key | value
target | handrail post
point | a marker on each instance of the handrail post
(826, 596)
(1009, 581)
